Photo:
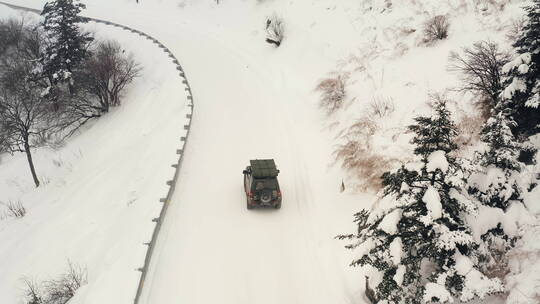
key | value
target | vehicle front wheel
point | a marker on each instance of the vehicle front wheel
(277, 206)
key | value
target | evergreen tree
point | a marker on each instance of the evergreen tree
(494, 183)
(435, 133)
(67, 45)
(503, 148)
(420, 222)
(522, 81)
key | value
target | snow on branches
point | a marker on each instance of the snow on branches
(421, 220)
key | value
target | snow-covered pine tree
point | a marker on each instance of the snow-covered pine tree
(67, 44)
(417, 239)
(503, 148)
(494, 182)
(522, 81)
(435, 133)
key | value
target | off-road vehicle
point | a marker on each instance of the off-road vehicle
(261, 184)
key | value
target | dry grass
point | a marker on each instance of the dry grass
(381, 106)
(470, 124)
(357, 156)
(332, 93)
(14, 209)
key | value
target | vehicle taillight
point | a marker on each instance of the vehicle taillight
(250, 194)
(279, 193)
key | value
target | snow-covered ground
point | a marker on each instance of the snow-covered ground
(251, 101)
(100, 191)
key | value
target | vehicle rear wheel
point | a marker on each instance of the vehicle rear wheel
(266, 197)
(278, 206)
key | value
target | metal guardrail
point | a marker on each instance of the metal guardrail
(187, 127)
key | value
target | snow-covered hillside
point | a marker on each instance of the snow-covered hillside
(100, 191)
(252, 100)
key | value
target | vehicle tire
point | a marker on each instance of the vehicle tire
(266, 197)
(278, 206)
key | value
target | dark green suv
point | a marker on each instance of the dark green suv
(261, 184)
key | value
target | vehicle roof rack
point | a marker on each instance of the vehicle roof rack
(261, 168)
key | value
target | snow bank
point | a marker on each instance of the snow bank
(390, 221)
(400, 273)
(523, 281)
(532, 200)
(433, 204)
(396, 251)
(437, 160)
(515, 217)
(438, 291)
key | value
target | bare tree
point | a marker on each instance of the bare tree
(11, 31)
(480, 69)
(108, 72)
(24, 42)
(25, 116)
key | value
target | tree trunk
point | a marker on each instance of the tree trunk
(31, 163)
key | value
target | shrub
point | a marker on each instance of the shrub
(275, 30)
(56, 291)
(436, 28)
(332, 93)
(63, 288)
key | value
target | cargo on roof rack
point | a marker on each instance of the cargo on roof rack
(261, 168)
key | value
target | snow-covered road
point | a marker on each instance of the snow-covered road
(211, 248)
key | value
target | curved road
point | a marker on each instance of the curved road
(211, 248)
